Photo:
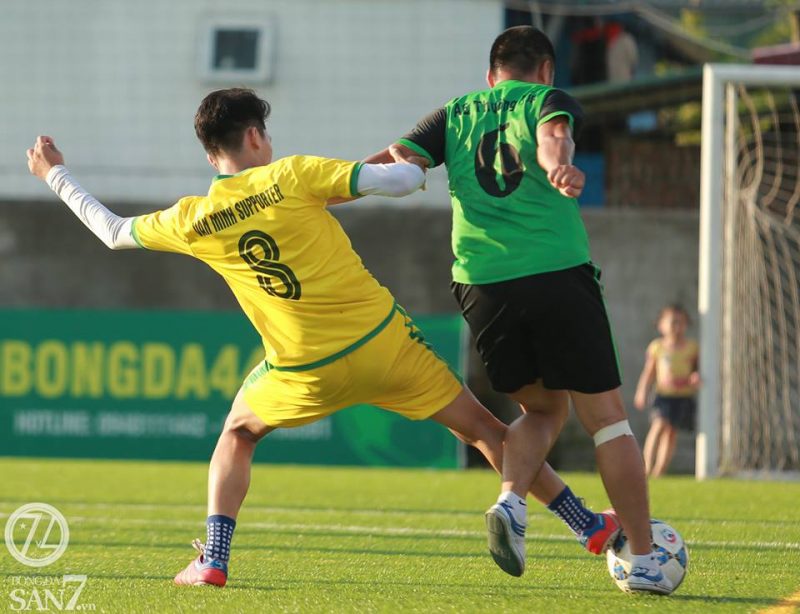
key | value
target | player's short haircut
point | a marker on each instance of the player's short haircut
(520, 50)
(224, 116)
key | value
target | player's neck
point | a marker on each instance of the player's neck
(503, 76)
(232, 165)
(230, 168)
(541, 75)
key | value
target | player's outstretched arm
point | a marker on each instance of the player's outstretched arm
(382, 164)
(554, 154)
(422, 147)
(394, 180)
(46, 162)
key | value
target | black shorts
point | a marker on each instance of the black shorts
(550, 326)
(678, 411)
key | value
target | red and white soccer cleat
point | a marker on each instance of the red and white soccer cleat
(598, 538)
(201, 571)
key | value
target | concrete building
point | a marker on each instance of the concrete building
(117, 83)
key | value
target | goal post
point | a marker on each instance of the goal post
(748, 295)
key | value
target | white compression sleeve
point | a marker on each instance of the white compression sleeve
(396, 179)
(111, 229)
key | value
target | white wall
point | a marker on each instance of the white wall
(115, 82)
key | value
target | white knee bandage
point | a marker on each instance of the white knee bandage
(612, 431)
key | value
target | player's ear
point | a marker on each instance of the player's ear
(547, 72)
(252, 136)
(212, 161)
(490, 80)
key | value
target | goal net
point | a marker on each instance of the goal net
(749, 410)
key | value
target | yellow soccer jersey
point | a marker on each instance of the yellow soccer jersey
(287, 260)
(673, 367)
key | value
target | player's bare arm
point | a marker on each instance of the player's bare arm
(554, 154)
(401, 153)
(398, 153)
(381, 157)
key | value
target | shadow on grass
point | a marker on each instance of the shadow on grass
(257, 509)
(322, 550)
(192, 528)
(311, 531)
(254, 532)
(498, 587)
(503, 588)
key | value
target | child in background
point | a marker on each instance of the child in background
(671, 362)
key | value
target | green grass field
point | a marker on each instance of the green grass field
(321, 539)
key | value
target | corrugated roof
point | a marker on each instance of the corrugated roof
(602, 101)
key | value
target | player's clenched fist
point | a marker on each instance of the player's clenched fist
(567, 179)
(43, 156)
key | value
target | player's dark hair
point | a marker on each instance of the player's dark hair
(675, 308)
(520, 50)
(224, 116)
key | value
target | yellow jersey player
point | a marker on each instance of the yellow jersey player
(333, 336)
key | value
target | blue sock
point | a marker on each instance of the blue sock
(219, 532)
(572, 511)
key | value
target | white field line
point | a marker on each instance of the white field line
(277, 509)
(395, 531)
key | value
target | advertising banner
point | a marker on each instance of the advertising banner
(158, 385)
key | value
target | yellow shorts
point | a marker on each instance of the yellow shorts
(395, 370)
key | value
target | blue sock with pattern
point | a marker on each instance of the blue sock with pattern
(572, 511)
(219, 532)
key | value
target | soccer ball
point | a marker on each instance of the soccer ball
(668, 547)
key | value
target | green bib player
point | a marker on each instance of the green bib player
(508, 222)
(528, 289)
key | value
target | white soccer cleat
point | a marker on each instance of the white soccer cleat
(506, 539)
(643, 580)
